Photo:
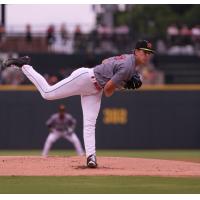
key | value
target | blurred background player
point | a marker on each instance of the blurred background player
(62, 125)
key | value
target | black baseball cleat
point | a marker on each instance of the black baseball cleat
(19, 62)
(91, 161)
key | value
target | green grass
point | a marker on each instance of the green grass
(189, 155)
(99, 185)
(105, 184)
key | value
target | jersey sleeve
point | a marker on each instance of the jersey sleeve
(120, 76)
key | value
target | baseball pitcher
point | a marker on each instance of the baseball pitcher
(90, 83)
(62, 125)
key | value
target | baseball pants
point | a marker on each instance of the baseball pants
(80, 82)
(55, 135)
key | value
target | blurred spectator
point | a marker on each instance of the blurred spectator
(196, 38)
(151, 76)
(28, 36)
(172, 34)
(174, 50)
(184, 44)
(161, 47)
(196, 33)
(64, 72)
(12, 76)
(50, 37)
(106, 40)
(52, 80)
(93, 41)
(185, 35)
(63, 34)
(105, 32)
(2, 33)
(121, 37)
(181, 50)
(79, 42)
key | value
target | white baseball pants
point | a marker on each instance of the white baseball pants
(80, 82)
(55, 135)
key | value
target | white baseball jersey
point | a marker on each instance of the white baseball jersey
(62, 128)
(61, 124)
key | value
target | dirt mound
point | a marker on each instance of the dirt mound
(76, 166)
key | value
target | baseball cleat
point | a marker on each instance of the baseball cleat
(91, 161)
(19, 62)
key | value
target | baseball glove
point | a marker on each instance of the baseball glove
(134, 83)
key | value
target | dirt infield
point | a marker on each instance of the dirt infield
(75, 166)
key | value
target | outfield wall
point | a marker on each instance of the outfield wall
(157, 117)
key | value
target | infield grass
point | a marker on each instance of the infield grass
(185, 155)
(99, 185)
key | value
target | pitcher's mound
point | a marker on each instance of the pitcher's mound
(107, 166)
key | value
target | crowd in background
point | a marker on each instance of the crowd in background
(180, 40)
(102, 40)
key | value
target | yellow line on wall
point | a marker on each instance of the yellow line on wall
(171, 87)
(17, 88)
(166, 87)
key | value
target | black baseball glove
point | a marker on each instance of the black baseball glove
(134, 83)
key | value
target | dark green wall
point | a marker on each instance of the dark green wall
(135, 120)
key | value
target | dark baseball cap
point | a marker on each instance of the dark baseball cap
(144, 45)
